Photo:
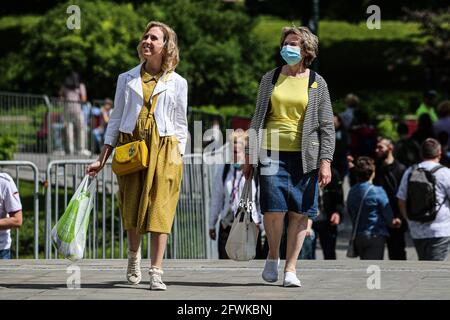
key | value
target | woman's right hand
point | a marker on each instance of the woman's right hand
(94, 168)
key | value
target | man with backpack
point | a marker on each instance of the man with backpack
(423, 199)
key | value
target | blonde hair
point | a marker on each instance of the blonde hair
(171, 56)
(309, 43)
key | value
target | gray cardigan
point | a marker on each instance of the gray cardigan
(318, 137)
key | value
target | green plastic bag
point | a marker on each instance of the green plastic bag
(69, 233)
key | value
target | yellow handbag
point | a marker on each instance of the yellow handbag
(130, 158)
(133, 156)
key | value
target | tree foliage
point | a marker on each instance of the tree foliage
(219, 57)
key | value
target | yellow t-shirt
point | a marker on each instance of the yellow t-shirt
(289, 101)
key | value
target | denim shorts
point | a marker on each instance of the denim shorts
(284, 187)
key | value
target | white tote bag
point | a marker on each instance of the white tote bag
(241, 243)
(69, 233)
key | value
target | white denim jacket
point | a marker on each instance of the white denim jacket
(170, 110)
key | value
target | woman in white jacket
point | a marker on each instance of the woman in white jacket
(229, 184)
(150, 104)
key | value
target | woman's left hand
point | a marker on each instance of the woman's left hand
(324, 173)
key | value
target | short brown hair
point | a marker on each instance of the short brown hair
(309, 43)
(364, 168)
(352, 100)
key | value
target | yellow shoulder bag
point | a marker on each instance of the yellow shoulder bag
(133, 156)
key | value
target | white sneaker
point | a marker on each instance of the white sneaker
(155, 279)
(270, 272)
(291, 280)
(134, 275)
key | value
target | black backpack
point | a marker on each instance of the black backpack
(421, 203)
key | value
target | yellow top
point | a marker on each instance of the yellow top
(148, 85)
(289, 101)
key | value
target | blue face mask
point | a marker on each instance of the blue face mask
(237, 166)
(291, 55)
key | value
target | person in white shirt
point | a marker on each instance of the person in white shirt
(227, 193)
(431, 239)
(10, 213)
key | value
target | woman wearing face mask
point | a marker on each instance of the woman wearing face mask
(226, 194)
(151, 105)
(291, 145)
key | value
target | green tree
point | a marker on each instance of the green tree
(99, 51)
(220, 57)
(435, 53)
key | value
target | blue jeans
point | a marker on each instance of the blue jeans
(284, 187)
(5, 254)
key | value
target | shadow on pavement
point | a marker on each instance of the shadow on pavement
(101, 285)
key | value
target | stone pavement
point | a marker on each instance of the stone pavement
(224, 280)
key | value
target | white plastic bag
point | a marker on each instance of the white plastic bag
(69, 233)
(241, 243)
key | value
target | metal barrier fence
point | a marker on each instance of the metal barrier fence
(106, 239)
(15, 234)
(77, 127)
(50, 128)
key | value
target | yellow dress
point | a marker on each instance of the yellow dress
(148, 198)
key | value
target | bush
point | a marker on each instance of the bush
(8, 146)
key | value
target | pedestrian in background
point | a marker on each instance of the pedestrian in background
(226, 194)
(443, 124)
(352, 105)
(10, 213)
(431, 233)
(331, 209)
(389, 173)
(427, 106)
(74, 94)
(341, 150)
(407, 150)
(371, 203)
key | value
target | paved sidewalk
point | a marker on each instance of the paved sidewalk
(214, 279)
